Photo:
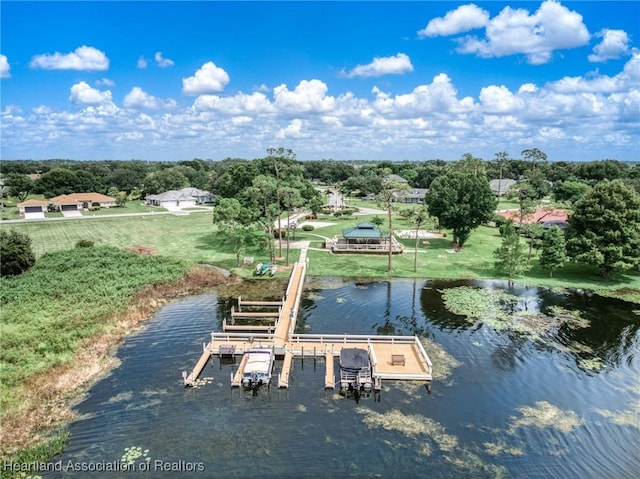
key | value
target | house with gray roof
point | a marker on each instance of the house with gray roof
(501, 187)
(183, 198)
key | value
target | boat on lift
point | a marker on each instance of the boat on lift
(355, 371)
(258, 368)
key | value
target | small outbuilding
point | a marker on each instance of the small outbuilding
(364, 237)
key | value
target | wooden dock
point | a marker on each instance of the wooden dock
(329, 376)
(392, 357)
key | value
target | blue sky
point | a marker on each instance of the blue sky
(342, 80)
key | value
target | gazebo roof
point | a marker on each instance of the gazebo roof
(363, 230)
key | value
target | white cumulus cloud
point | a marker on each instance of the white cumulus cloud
(462, 19)
(614, 44)
(397, 65)
(84, 94)
(142, 63)
(310, 96)
(208, 79)
(138, 98)
(537, 36)
(4, 67)
(83, 58)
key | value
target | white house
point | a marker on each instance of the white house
(183, 198)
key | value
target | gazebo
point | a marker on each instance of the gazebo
(363, 237)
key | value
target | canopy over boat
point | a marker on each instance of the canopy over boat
(354, 359)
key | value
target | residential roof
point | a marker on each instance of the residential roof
(33, 202)
(81, 197)
(539, 216)
(502, 185)
(182, 194)
(364, 230)
(414, 193)
(396, 178)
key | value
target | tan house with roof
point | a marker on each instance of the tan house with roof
(81, 201)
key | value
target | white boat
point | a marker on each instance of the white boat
(258, 368)
(355, 371)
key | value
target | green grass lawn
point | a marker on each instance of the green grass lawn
(192, 237)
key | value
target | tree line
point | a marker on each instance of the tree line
(253, 197)
(140, 178)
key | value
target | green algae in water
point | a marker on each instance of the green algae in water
(133, 453)
(410, 425)
(629, 417)
(444, 363)
(500, 447)
(497, 308)
(123, 396)
(477, 303)
(545, 415)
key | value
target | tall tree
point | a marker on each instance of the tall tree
(19, 185)
(385, 198)
(535, 156)
(234, 221)
(419, 217)
(501, 157)
(510, 257)
(461, 202)
(291, 199)
(554, 250)
(604, 228)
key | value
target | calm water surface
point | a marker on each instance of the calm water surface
(557, 401)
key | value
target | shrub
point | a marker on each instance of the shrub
(307, 228)
(84, 243)
(16, 252)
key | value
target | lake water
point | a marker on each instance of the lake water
(557, 398)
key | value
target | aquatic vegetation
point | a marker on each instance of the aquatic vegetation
(444, 363)
(594, 364)
(500, 447)
(628, 417)
(123, 396)
(133, 453)
(410, 425)
(473, 466)
(571, 318)
(146, 405)
(198, 383)
(545, 415)
(477, 303)
(161, 392)
(504, 312)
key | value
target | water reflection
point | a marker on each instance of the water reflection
(505, 402)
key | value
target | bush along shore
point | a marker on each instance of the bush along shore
(61, 322)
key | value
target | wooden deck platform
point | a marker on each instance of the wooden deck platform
(392, 357)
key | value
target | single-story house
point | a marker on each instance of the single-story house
(32, 209)
(396, 179)
(82, 201)
(548, 217)
(414, 196)
(501, 187)
(182, 198)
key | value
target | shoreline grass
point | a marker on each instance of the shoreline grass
(61, 322)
